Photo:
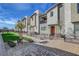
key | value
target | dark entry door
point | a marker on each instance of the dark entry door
(52, 30)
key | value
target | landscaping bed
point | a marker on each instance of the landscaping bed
(28, 38)
(11, 37)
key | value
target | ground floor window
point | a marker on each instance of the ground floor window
(43, 28)
(76, 29)
(77, 7)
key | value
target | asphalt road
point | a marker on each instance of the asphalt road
(30, 49)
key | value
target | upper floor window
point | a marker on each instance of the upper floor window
(51, 14)
(77, 7)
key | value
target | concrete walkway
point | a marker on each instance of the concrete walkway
(59, 44)
(2, 47)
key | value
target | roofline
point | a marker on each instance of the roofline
(34, 13)
(22, 19)
(55, 5)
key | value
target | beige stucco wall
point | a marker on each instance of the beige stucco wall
(75, 19)
(35, 22)
(48, 30)
(25, 23)
(54, 18)
(32, 23)
(75, 15)
(69, 27)
(62, 19)
(57, 29)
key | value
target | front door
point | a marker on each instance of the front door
(52, 30)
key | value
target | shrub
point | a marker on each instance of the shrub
(11, 44)
(28, 39)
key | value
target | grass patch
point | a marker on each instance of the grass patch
(10, 36)
(13, 36)
(28, 38)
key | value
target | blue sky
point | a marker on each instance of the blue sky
(10, 13)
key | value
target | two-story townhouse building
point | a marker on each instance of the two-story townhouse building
(64, 17)
(43, 24)
(25, 20)
(28, 25)
(59, 19)
(52, 20)
(75, 18)
(34, 22)
(69, 12)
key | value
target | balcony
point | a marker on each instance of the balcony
(43, 19)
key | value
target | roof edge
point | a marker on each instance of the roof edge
(52, 7)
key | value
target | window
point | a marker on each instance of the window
(76, 26)
(51, 14)
(77, 7)
(43, 28)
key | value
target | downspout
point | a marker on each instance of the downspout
(59, 20)
(74, 32)
(39, 24)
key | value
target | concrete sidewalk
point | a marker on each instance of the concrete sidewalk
(60, 44)
(2, 47)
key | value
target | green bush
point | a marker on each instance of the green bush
(12, 36)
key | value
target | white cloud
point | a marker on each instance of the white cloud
(11, 21)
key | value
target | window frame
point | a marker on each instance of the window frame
(77, 7)
(51, 13)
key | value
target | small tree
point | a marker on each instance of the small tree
(20, 26)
